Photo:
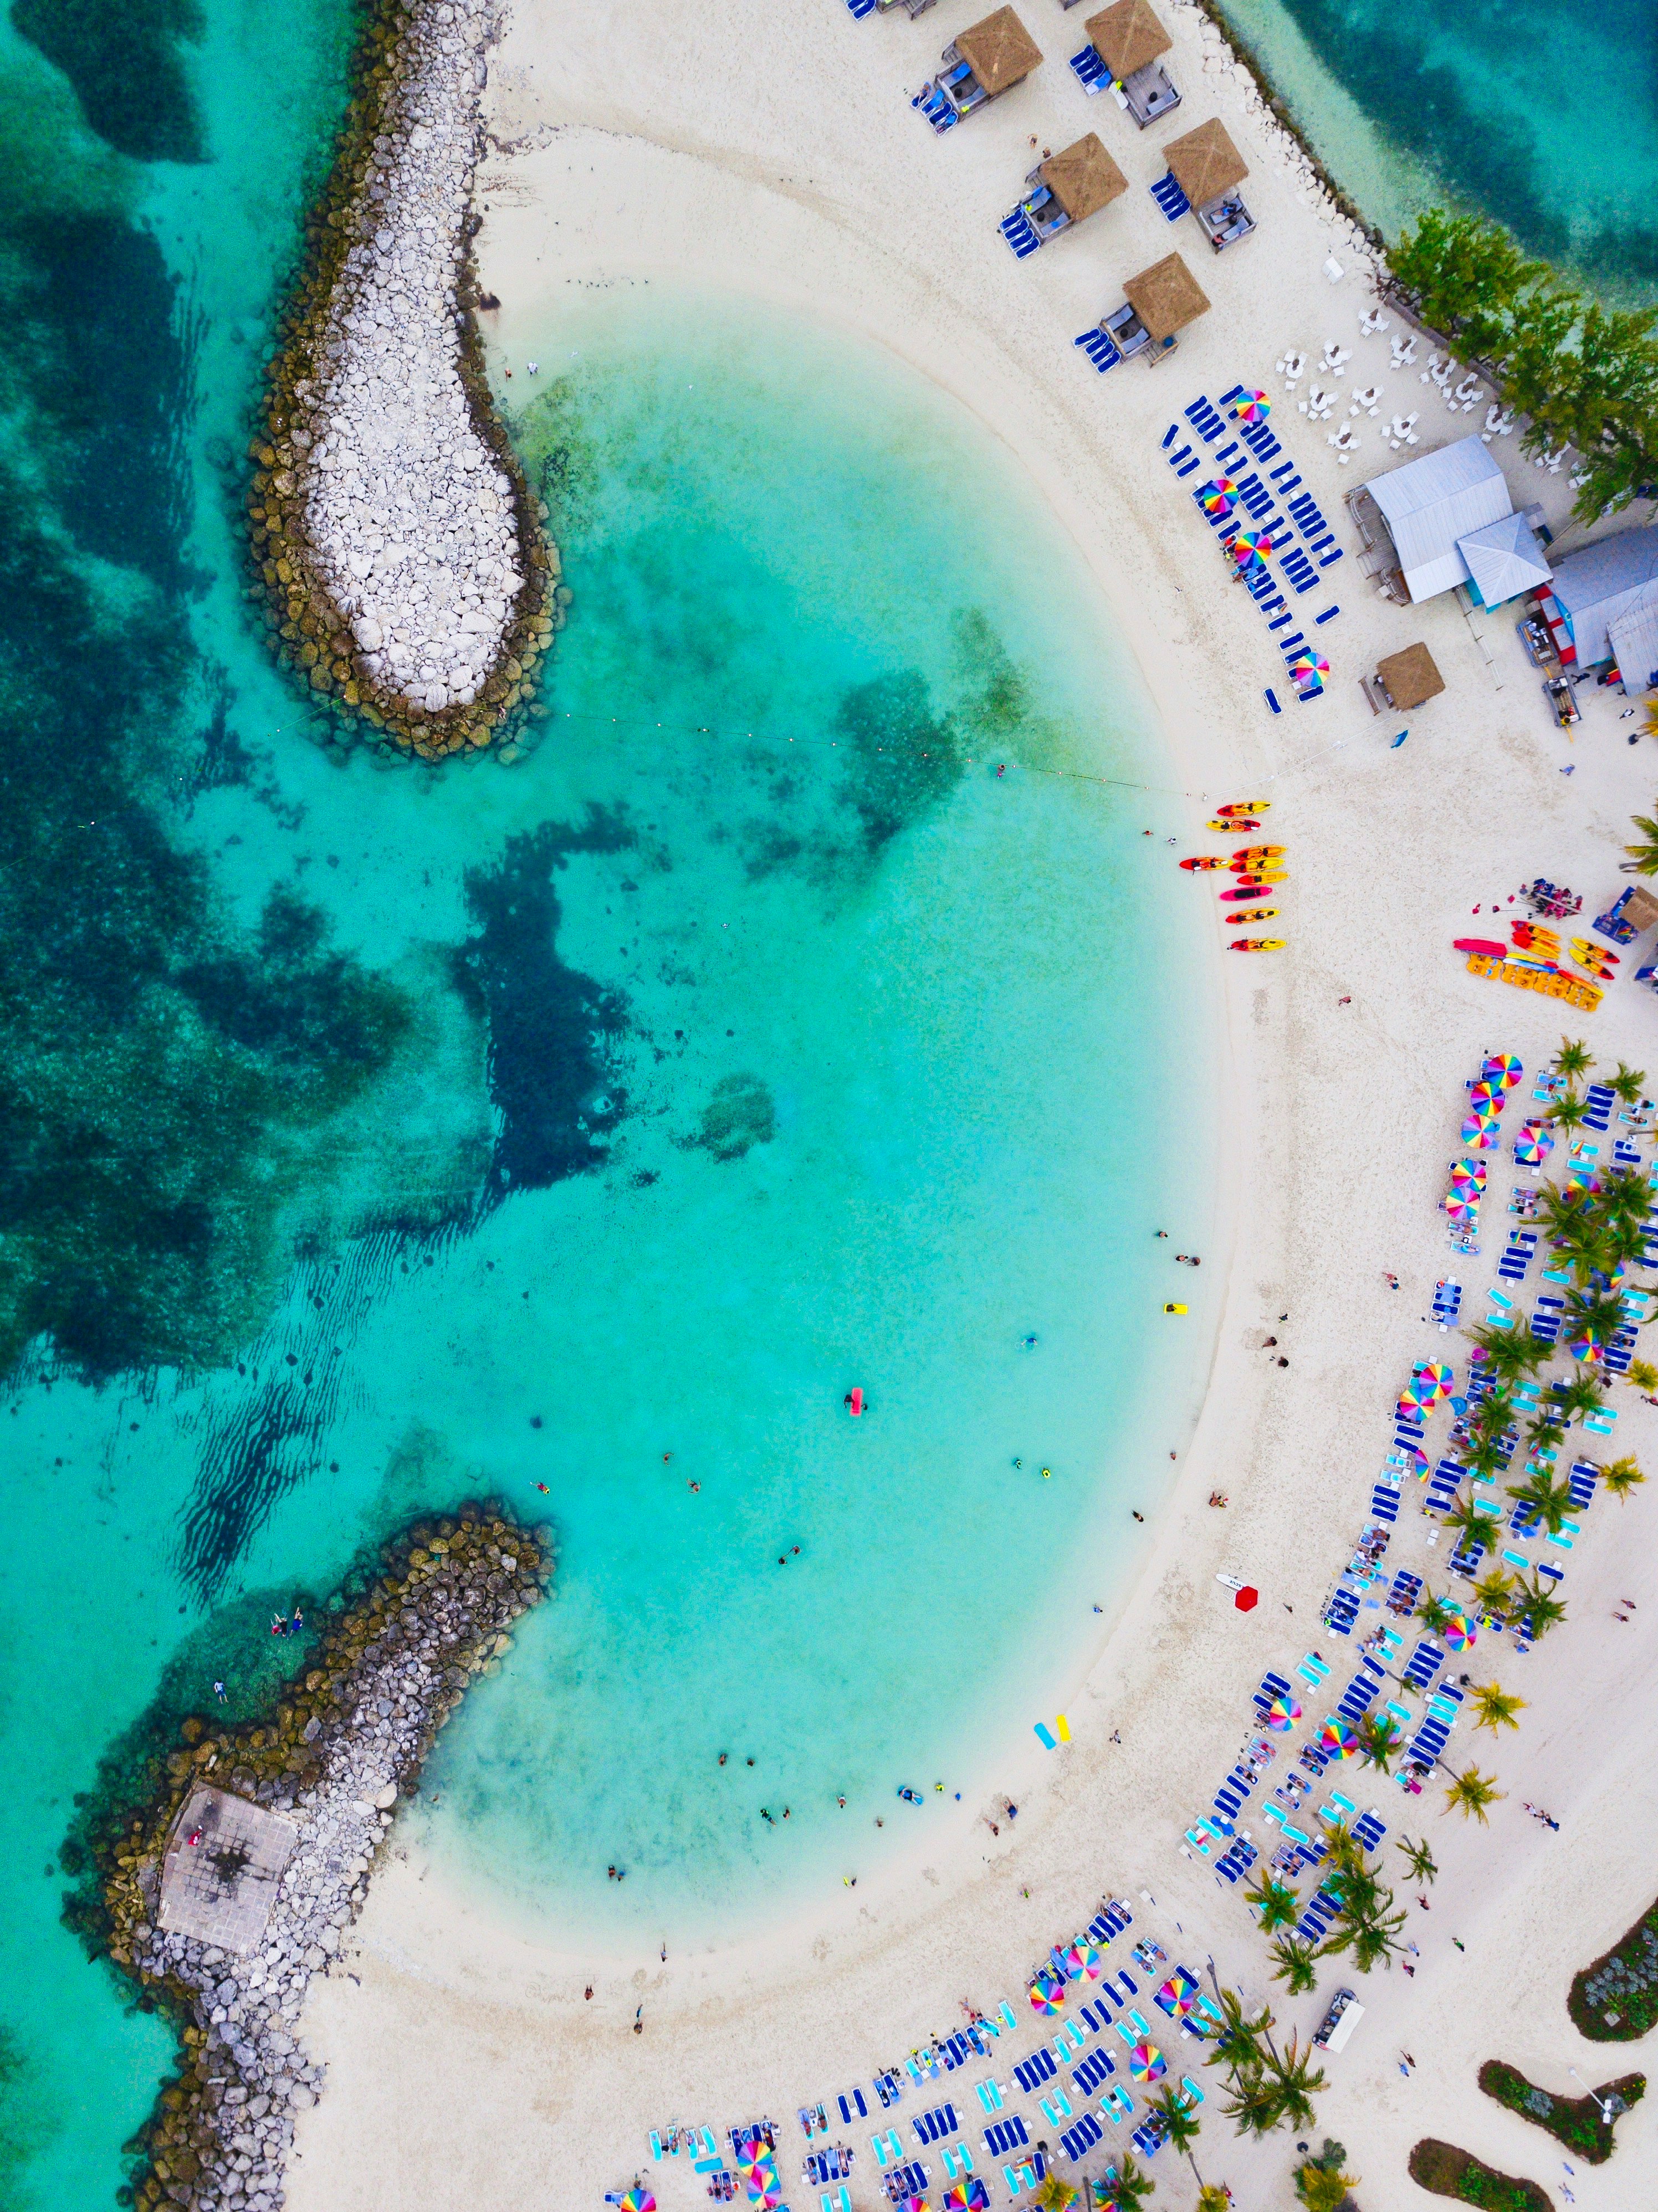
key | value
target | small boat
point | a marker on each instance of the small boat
(1258, 852)
(1241, 823)
(1248, 891)
(1488, 946)
(1259, 943)
(1237, 806)
(1255, 914)
(1262, 876)
(1203, 860)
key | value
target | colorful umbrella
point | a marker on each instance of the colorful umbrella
(912, 2204)
(1586, 1347)
(1282, 1715)
(1503, 1067)
(1047, 1993)
(1430, 1380)
(1459, 1629)
(1482, 1134)
(1337, 1739)
(1147, 2062)
(1082, 1959)
(1309, 664)
(1249, 544)
(1533, 1145)
(1219, 497)
(635, 2200)
(966, 2196)
(1252, 407)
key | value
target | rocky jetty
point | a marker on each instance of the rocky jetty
(331, 1760)
(406, 572)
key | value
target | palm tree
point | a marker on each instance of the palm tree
(1623, 1478)
(1624, 1197)
(1641, 1376)
(1486, 1459)
(1568, 1109)
(1494, 1591)
(1551, 1501)
(1238, 2040)
(1629, 1084)
(1179, 2115)
(1436, 1614)
(1131, 2185)
(1213, 2196)
(1643, 857)
(1254, 2103)
(1054, 2195)
(1498, 1708)
(1378, 1740)
(1476, 1522)
(1370, 1936)
(1418, 1858)
(1297, 2081)
(1323, 2188)
(1578, 1400)
(1292, 1965)
(1470, 1792)
(1573, 1058)
(1512, 1350)
(1539, 1610)
(1598, 1315)
(1276, 1902)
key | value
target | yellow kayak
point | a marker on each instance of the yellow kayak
(1237, 806)
(1259, 943)
(1258, 852)
(1242, 823)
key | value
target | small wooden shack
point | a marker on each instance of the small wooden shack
(1206, 163)
(1409, 678)
(1127, 37)
(1082, 178)
(1166, 297)
(999, 52)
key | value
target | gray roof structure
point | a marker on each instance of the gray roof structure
(223, 1860)
(1633, 636)
(1431, 503)
(1504, 559)
(1595, 585)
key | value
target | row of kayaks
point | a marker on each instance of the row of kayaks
(1254, 870)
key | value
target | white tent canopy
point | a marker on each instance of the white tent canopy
(1603, 581)
(1430, 503)
(1634, 639)
(1504, 559)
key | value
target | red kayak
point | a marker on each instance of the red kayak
(1485, 944)
(1203, 860)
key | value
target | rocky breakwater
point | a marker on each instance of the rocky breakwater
(322, 1775)
(406, 572)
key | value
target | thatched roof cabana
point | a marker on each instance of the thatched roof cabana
(1127, 36)
(1206, 163)
(1410, 679)
(1082, 178)
(1166, 297)
(999, 52)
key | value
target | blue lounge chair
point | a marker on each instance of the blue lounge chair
(1328, 615)
(1090, 72)
(1270, 698)
(1020, 233)
(1170, 198)
(1100, 348)
(1597, 1104)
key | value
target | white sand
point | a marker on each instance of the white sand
(769, 148)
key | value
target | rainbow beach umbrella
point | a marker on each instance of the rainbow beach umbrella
(1047, 1993)
(1502, 1067)
(1534, 1144)
(1336, 1738)
(1250, 545)
(1252, 407)
(1483, 1135)
(1430, 1380)
(1147, 2062)
(1309, 664)
(1588, 1346)
(635, 2200)
(966, 2196)
(1083, 1959)
(1282, 1715)
(1459, 1629)
(1219, 497)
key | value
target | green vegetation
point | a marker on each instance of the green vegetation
(1616, 1999)
(1585, 376)
(1584, 2124)
(1265, 2088)
(1322, 2183)
(1448, 2171)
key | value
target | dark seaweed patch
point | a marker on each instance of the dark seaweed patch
(122, 57)
(553, 1031)
(906, 759)
(741, 1113)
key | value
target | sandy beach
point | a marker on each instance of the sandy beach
(771, 150)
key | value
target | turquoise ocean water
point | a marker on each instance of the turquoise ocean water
(1541, 112)
(374, 1136)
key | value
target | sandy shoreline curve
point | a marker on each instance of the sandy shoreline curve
(773, 152)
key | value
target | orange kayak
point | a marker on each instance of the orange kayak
(1203, 860)
(1237, 806)
(1258, 852)
(1242, 823)
(1258, 944)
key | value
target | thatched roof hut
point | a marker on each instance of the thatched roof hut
(1206, 163)
(1410, 679)
(1127, 36)
(1166, 297)
(999, 52)
(1082, 178)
